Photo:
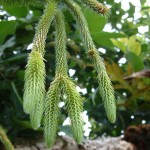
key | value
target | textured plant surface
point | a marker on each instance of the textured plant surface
(4, 139)
(37, 102)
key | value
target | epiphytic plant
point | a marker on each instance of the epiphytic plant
(38, 102)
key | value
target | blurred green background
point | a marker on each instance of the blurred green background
(123, 41)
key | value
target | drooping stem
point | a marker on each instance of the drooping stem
(43, 26)
(96, 6)
(106, 89)
(73, 101)
(34, 88)
(77, 13)
(51, 109)
(60, 45)
(74, 104)
(62, 85)
(51, 112)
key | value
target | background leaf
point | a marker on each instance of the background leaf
(7, 28)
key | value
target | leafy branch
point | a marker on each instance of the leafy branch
(38, 102)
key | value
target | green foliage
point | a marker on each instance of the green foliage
(43, 26)
(35, 74)
(19, 2)
(131, 89)
(74, 106)
(62, 86)
(99, 21)
(34, 89)
(8, 28)
(51, 111)
(106, 89)
(60, 45)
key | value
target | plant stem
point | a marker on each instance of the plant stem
(43, 26)
(60, 45)
(4, 139)
(106, 89)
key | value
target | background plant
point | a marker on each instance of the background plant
(132, 95)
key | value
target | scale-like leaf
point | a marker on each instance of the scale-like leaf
(74, 104)
(51, 111)
(34, 88)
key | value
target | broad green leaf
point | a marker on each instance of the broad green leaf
(9, 43)
(109, 35)
(120, 43)
(135, 61)
(104, 38)
(20, 75)
(134, 46)
(125, 45)
(17, 11)
(95, 21)
(7, 28)
(103, 41)
(131, 10)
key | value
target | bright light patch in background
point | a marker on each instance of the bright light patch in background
(71, 72)
(125, 16)
(147, 3)
(122, 131)
(122, 61)
(117, 49)
(83, 91)
(137, 13)
(117, 12)
(68, 39)
(78, 56)
(31, 12)
(61, 104)
(30, 46)
(143, 29)
(11, 18)
(130, 19)
(81, 44)
(2, 13)
(14, 52)
(125, 6)
(117, 1)
(143, 121)
(119, 26)
(102, 50)
(87, 126)
(66, 122)
(92, 90)
(108, 28)
(132, 117)
(124, 94)
(125, 3)
(61, 133)
(76, 79)
(122, 136)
